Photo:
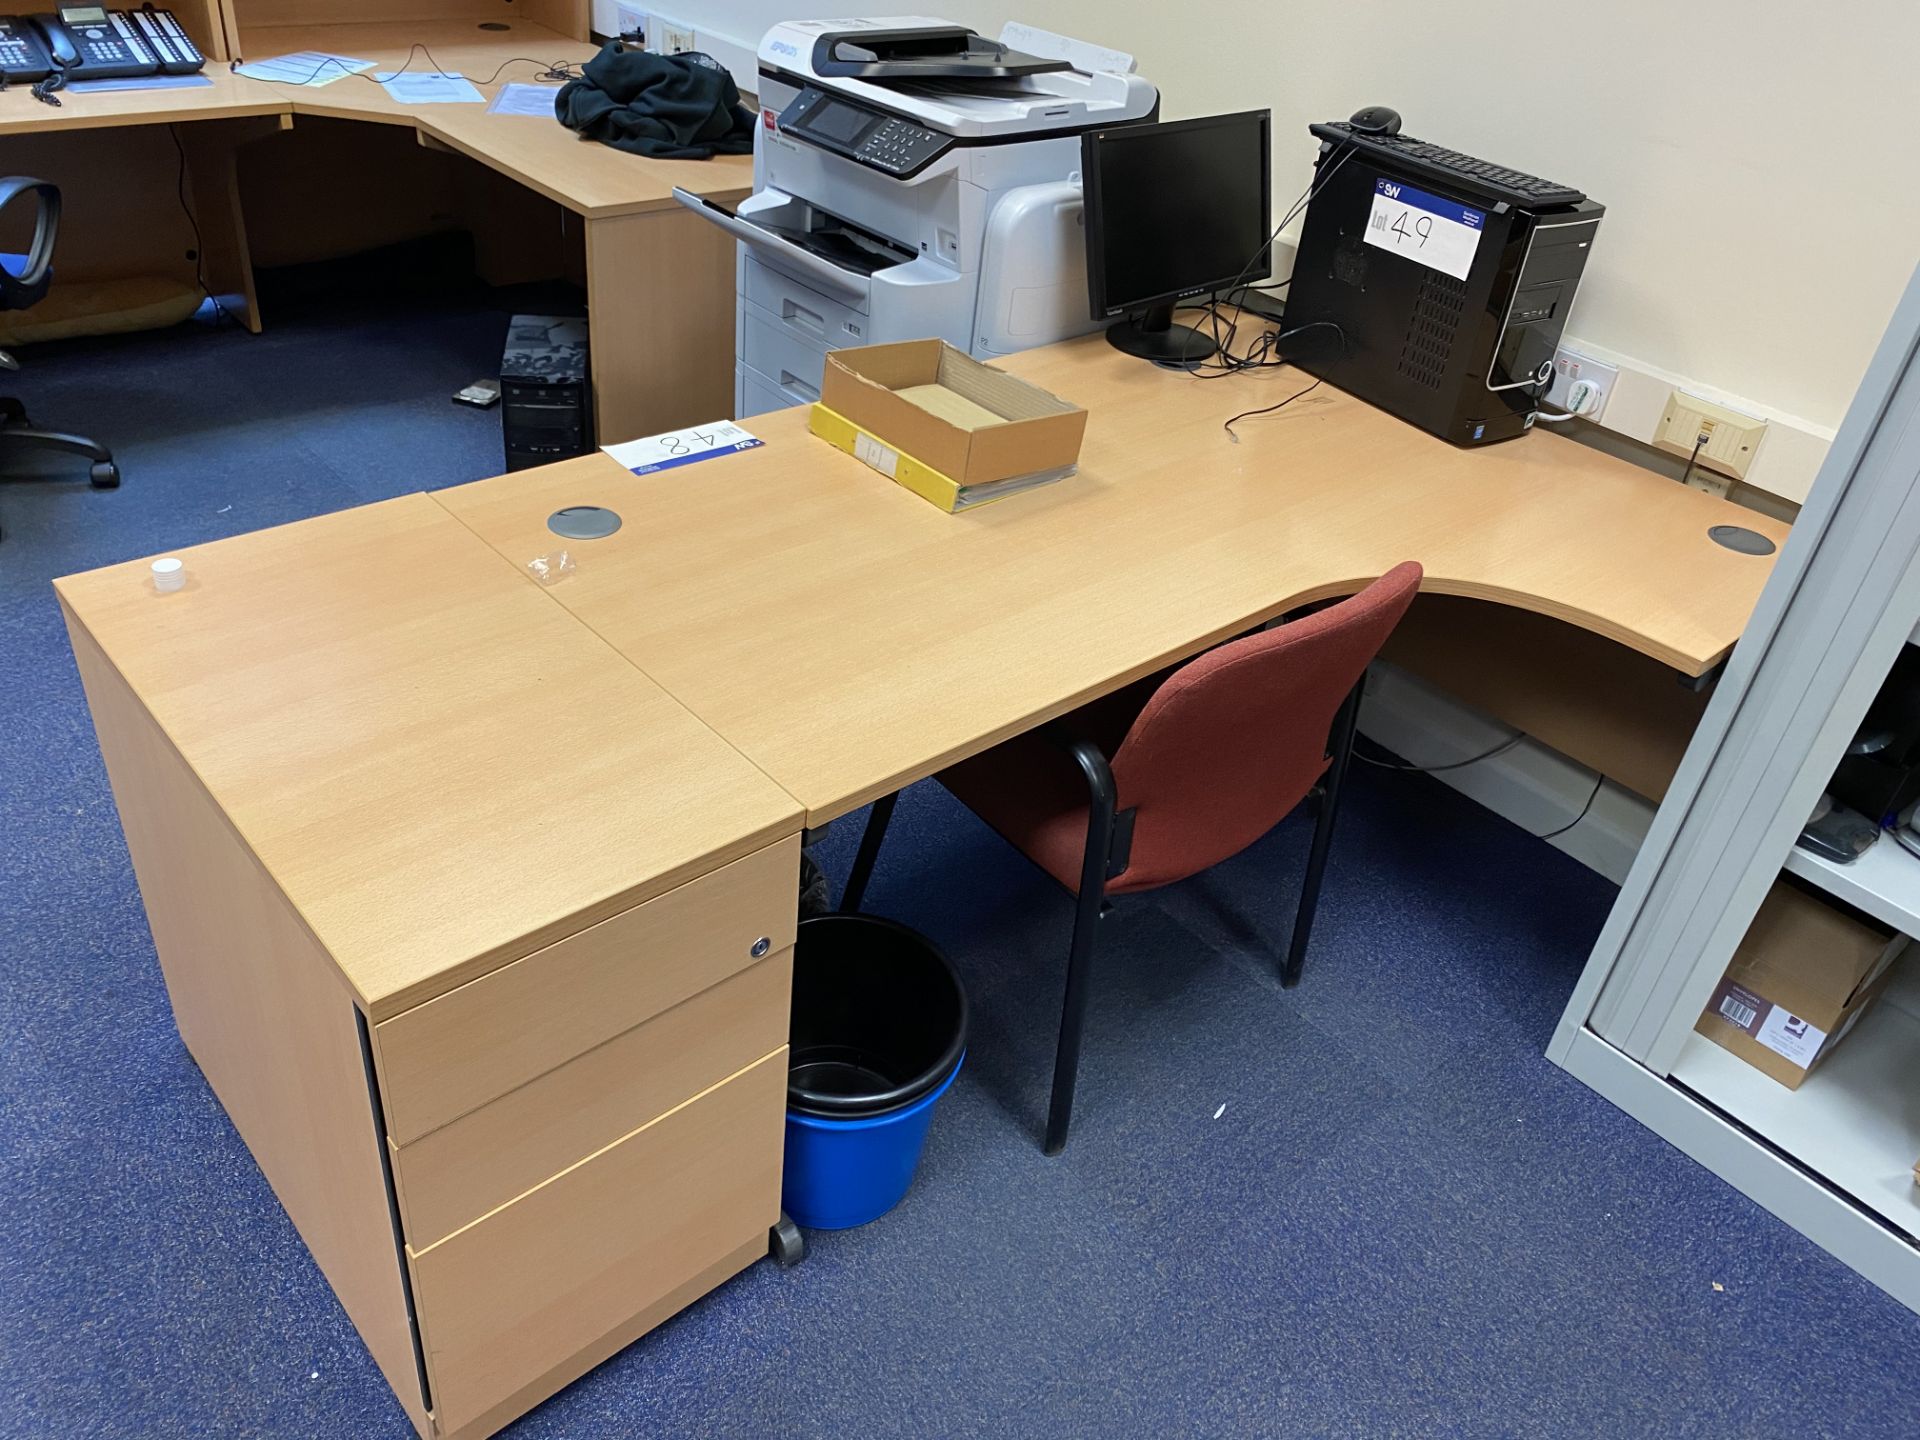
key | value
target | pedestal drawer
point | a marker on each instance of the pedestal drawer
(460, 1050)
(492, 1155)
(512, 1299)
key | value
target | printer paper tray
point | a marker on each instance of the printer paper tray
(831, 261)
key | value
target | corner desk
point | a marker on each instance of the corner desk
(475, 898)
(659, 280)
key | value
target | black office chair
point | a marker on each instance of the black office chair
(24, 280)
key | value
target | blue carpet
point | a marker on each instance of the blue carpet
(1406, 1222)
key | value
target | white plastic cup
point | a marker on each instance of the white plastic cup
(168, 575)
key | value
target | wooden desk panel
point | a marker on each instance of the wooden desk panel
(490, 1157)
(1599, 703)
(850, 638)
(593, 179)
(264, 1015)
(659, 280)
(587, 177)
(365, 764)
(543, 1281)
(567, 15)
(462, 1050)
(228, 96)
(441, 769)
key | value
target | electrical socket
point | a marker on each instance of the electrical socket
(630, 20)
(676, 39)
(1714, 436)
(1571, 370)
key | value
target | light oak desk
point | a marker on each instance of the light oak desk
(659, 280)
(475, 899)
(850, 639)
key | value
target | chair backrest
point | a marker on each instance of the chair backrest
(1234, 739)
(25, 283)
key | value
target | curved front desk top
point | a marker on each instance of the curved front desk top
(589, 179)
(849, 638)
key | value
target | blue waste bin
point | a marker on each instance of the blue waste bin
(879, 1032)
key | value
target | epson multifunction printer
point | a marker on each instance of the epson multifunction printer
(914, 179)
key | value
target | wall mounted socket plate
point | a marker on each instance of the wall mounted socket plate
(674, 39)
(631, 20)
(1572, 370)
(1727, 440)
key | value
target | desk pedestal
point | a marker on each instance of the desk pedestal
(500, 1195)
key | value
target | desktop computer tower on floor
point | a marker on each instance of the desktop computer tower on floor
(1450, 302)
(546, 390)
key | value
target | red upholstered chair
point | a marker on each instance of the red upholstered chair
(1172, 775)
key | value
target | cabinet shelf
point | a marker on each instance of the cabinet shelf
(1855, 1121)
(1884, 882)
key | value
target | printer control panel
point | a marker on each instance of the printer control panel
(889, 143)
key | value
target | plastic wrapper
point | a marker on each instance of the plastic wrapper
(551, 568)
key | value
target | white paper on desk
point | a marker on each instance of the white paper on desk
(424, 87)
(682, 447)
(140, 82)
(312, 68)
(521, 98)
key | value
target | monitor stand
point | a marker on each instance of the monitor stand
(1152, 335)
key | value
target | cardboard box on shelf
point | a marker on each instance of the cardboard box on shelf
(1801, 979)
(954, 431)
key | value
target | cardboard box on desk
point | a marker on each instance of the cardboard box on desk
(952, 430)
(1801, 979)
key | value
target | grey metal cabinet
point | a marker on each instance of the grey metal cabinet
(1834, 1158)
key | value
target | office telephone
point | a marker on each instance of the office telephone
(23, 57)
(89, 42)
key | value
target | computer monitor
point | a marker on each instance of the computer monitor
(1174, 211)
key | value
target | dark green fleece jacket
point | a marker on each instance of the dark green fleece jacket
(672, 107)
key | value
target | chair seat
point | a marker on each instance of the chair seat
(1031, 791)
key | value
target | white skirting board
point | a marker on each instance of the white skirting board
(1535, 787)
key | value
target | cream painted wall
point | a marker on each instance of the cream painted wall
(1757, 157)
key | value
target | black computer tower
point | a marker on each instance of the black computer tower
(546, 390)
(1456, 338)
(1880, 773)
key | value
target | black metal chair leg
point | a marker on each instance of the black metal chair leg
(868, 853)
(1102, 806)
(19, 437)
(1073, 1015)
(1340, 746)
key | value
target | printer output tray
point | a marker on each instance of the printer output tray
(835, 256)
